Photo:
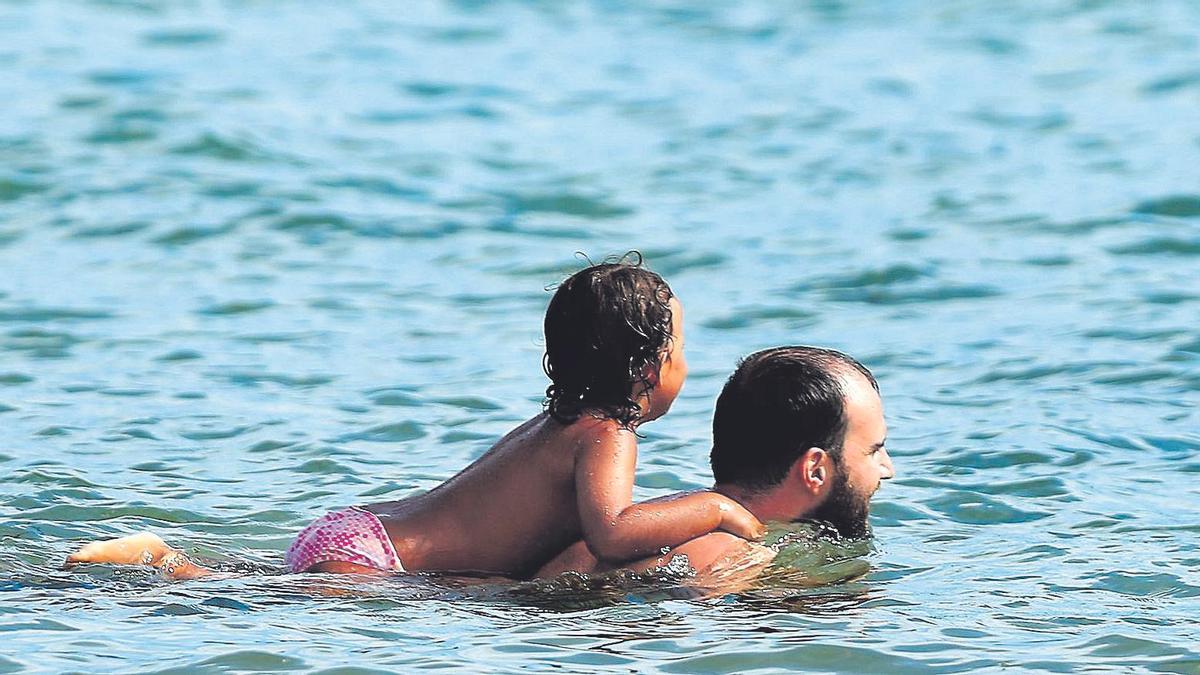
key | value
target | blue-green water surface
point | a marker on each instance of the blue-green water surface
(261, 259)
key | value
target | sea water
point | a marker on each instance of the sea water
(259, 260)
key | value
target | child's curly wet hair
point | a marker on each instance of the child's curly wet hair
(607, 327)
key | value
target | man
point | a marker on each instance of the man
(798, 434)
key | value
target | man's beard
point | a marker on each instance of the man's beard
(844, 510)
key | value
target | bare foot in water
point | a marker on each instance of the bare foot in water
(143, 548)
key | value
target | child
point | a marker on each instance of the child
(614, 355)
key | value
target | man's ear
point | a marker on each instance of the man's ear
(811, 471)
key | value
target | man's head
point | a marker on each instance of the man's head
(800, 430)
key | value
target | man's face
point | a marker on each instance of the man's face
(863, 464)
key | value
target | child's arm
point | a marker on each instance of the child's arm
(616, 529)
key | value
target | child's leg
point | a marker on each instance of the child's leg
(143, 548)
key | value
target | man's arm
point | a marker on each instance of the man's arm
(707, 554)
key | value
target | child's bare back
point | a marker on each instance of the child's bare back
(519, 505)
(506, 513)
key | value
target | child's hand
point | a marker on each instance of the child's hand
(736, 520)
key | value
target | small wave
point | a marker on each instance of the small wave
(1030, 488)
(34, 339)
(1180, 206)
(325, 466)
(376, 186)
(82, 102)
(1121, 650)
(749, 316)
(254, 379)
(180, 355)
(425, 89)
(244, 660)
(395, 398)
(1159, 246)
(70, 513)
(12, 190)
(938, 293)
(182, 37)
(975, 509)
(885, 276)
(57, 476)
(44, 314)
(974, 458)
(1049, 261)
(316, 226)
(1040, 372)
(120, 134)
(231, 189)
(564, 203)
(270, 446)
(236, 307)
(1040, 122)
(1088, 225)
(55, 430)
(1172, 83)
(105, 231)
(670, 263)
(517, 227)
(462, 34)
(1145, 584)
(1169, 297)
(192, 233)
(1191, 347)
(125, 392)
(815, 656)
(477, 403)
(7, 238)
(397, 432)
(214, 146)
(213, 434)
(1139, 376)
(121, 77)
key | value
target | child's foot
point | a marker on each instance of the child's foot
(144, 548)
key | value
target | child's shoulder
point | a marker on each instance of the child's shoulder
(585, 435)
(600, 425)
(594, 430)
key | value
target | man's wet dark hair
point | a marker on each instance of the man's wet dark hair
(607, 327)
(777, 404)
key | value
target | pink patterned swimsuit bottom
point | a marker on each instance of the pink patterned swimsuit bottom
(352, 535)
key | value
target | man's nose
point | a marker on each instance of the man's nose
(886, 469)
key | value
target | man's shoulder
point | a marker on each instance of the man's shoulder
(715, 549)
